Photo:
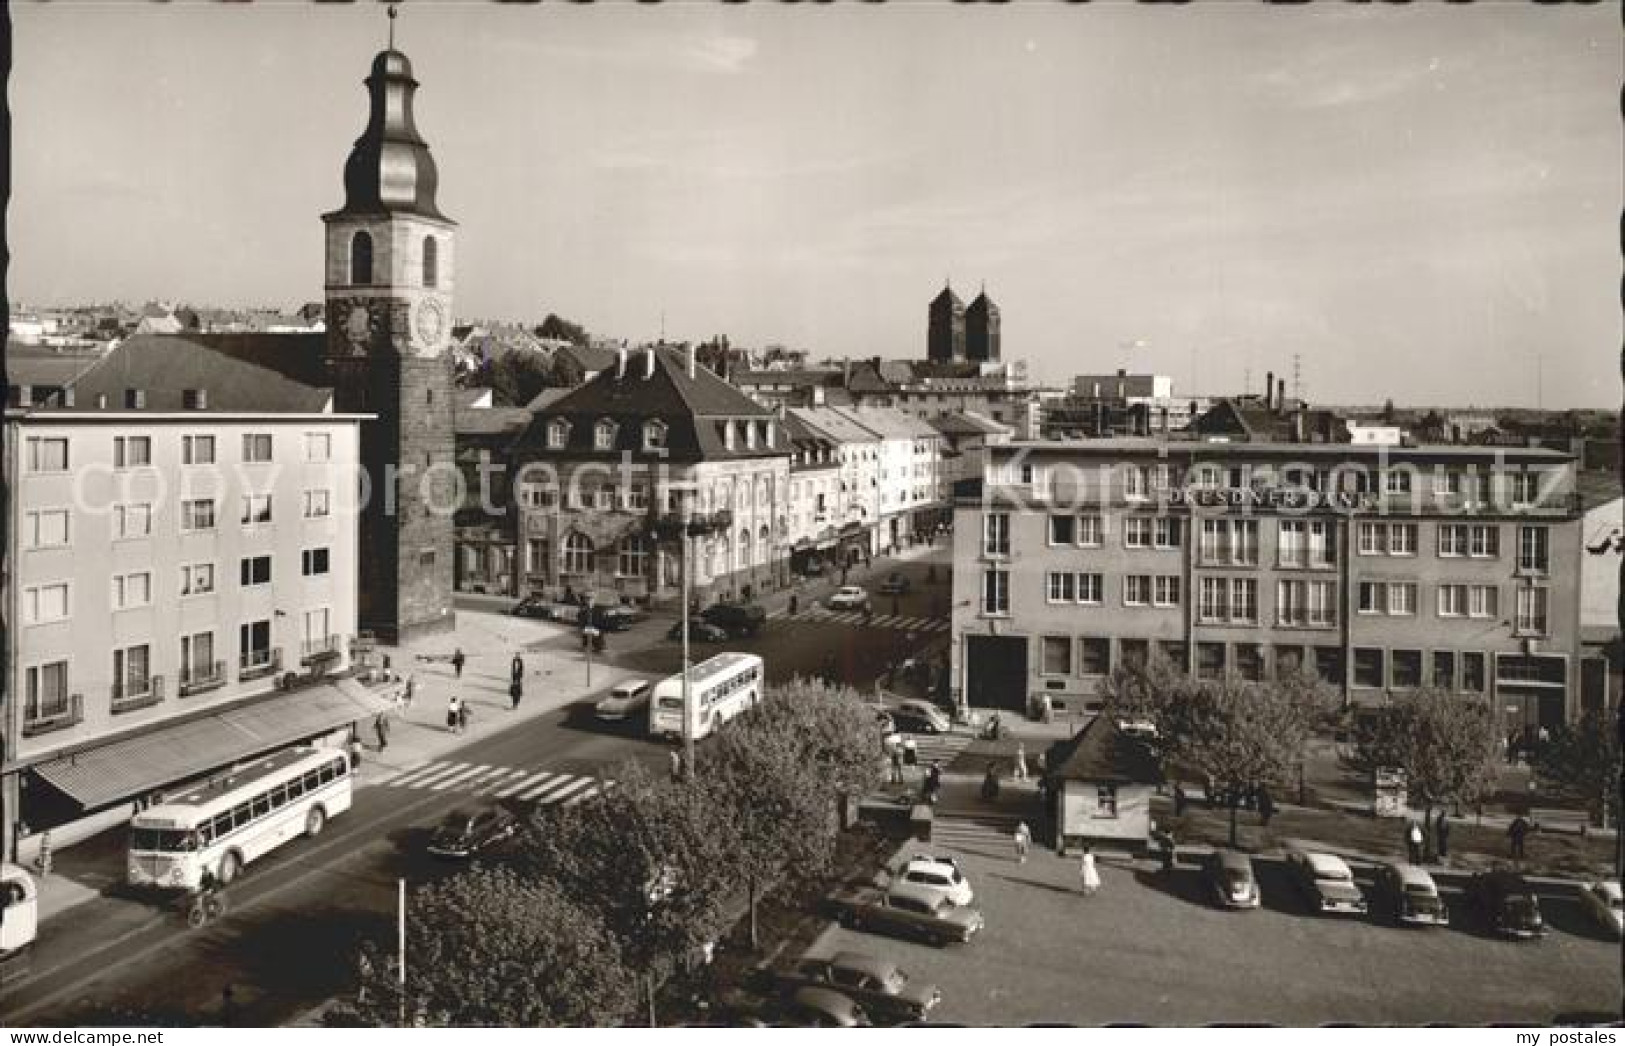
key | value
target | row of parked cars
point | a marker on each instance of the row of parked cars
(1405, 893)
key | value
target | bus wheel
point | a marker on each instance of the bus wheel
(230, 865)
(315, 821)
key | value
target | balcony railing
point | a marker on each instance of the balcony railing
(143, 693)
(321, 647)
(257, 663)
(197, 678)
(58, 714)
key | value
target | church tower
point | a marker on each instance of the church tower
(982, 329)
(390, 269)
(945, 329)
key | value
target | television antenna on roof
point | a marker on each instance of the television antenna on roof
(392, 14)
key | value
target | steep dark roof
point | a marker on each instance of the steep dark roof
(491, 421)
(589, 358)
(692, 408)
(1099, 752)
(947, 295)
(242, 373)
(45, 369)
(796, 377)
(546, 398)
(968, 423)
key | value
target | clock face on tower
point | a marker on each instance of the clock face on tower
(429, 323)
(358, 327)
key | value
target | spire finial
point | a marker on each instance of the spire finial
(392, 26)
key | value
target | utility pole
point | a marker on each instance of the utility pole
(688, 695)
(400, 939)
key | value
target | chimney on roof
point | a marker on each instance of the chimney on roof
(1280, 394)
(25, 396)
(101, 401)
(649, 364)
(1122, 372)
(690, 350)
(1269, 389)
(67, 396)
(620, 364)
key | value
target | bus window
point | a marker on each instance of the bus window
(341, 768)
(241, 815)
(205, 834)
(262, 804)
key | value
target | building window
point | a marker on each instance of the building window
(1402, 598)
(1091, 589)
(132, 521)
(1165, 532)
(1090, 531)
(197, 515)
(1407, 668)
(1444, 669)
(47, 692)
(632, 557)
(47, 455)
(1210, 660)
(1094, 656)
(557, 433)
(197, 450)
(1533, 550)
(1057, 656)
(255, 570)
(1397, 481)
(1229, 542)
(603, 435)
(1525, 489)
(1249, 661)
(431, 261)
(1306, 604)
(1061, 587)
(535, 556)
(1063, 530)
(1472, 672)
(995, 592)
(257, 447)
(604, 498)
(197, 659)
(996, 534)
(1306, 543)
(1166, 592)
(1483, 601)
(131, 676)
(654, 435)
(254, 642)
(197, 579)
(1373, 539)
(43, 604)
(318, 446)
(132, 451)
(256, 509)
(577, 554)
(314, 562)
(1368, 667)
(1243, 601)
(318, 504)
(1530, 612)
(46, 528)
(1136, 532)
(1106, 800)
(637, 496)
(1134, 487)
(361, 258)
(1136, 590)
(1402, 539)
(1228, 600)
(132, 590)
(1452, 600)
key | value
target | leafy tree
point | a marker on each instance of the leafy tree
(1238, 734)
(489, 948)
(775, 807)
(835, 731)
(648, 857)
(1582, 762)
(1447, 747)
(517, 376)
(1145, 688)
(561, 329)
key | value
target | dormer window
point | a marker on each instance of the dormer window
(654, 435)
(750, 435)
(558, 432)
(603, 435)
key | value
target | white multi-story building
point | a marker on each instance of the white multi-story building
(183, 540)
(856, 507)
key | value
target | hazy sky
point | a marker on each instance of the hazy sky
(1417, 201)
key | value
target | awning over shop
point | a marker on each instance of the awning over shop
(132, 766)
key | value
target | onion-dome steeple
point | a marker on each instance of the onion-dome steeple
(390, 170)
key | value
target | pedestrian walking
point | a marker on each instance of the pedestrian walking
(1266, 806)
(463, 714)
(1024, 839)
(990, 783)
(516, 691)
(1413, 841)
(457, 661)
(1018, 770)
(1180, 799)
(795, 604)
(517, 669)
(1167, 848)
(454, 714)
(380, 730)
(355, 752)
(1441, 834)
(676, 762)
(408, 690)
(1088, 874)
(1517, 831)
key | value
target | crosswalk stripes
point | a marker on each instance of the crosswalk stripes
(940, 748)
(895, 622)
(520, 784)
(980, 830)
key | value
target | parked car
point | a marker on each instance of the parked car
(1602, 901)
(817, 1007)
(920, 717)
(1230, 879)
(1411, 895)
(533, 606)
(739, 620)
(627, 698)
(907, 910)
(878, 986)
(1326, 882)
(612, 617)
(890, 736)
(940, 874)
(1505, 900)
(895, 585)
(466, 833)
(1139, 729)
(850, 597)
(698, 632)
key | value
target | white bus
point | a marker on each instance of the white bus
(720, 688)
(223, 825)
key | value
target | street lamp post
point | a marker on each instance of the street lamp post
(686, 527)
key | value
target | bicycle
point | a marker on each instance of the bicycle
(204, 905)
